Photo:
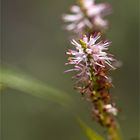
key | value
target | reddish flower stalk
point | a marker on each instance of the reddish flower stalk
(92, 63)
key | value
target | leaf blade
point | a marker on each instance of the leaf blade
(28, 84)
(92, 135)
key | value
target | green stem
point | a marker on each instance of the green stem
(113, 131)
(114, 134)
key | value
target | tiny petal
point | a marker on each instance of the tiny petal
(70, 27)
(71, 18)
(87, 3)
(110, 109)
(89, 51)
(85, 39)
(75, 9)
(98, 21)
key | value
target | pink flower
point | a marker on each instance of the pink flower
(87, 15)
(90, 53)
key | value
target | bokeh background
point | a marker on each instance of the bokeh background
(35, 43)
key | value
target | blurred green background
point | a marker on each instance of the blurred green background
(34, 42)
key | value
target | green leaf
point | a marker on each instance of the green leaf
(1, 87)
(27, 84)
(92, 135)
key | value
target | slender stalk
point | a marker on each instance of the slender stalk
(106, 119)
(114, 133)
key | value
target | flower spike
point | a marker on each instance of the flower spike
(87, 16)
